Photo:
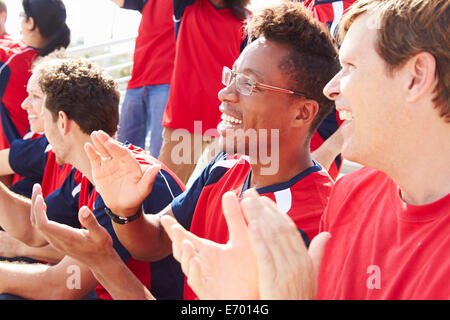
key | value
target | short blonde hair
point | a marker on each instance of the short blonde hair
(406, 28)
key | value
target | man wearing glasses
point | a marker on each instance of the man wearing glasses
(271, 104)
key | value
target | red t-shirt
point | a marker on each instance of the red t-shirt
(209, 38)
(303, 198)
(154, 51)
(16, 60)
(382, 247)
(329, 12)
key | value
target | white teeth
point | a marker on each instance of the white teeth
(346, 115)
(231, 119)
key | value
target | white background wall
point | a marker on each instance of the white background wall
(96, 20)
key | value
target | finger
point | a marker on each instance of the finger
(264, 259)
(234, 217)
(180, 234)
(93, 156)
(251, 193)
(195, 278)
(317, 248)
(149, 176)
(89, 221)
(269, 240)
(39, 210)
(288, 245)
(176, 242)
(99, 144)
(36, 191)
(187, 253)
(103, 136)
(167, 223)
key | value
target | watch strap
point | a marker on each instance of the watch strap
(122, 220)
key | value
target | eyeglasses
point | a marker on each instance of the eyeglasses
(246, 85)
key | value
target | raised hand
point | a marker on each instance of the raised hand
(217, 271)
(286, 269)
(122, 182)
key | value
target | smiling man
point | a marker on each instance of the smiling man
(275, 87)
(389, 222)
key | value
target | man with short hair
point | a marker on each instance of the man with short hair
(389, 222)
(80, 98)
(271, 105)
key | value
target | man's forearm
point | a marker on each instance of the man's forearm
(5, 167)
(119, 281)
(12, 248)
(15, 217)
(46, 253)
(68, 280)
(15, 276)
(145, 237)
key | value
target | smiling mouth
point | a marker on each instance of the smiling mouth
(229, 121)
(32, 117)
(346, 115)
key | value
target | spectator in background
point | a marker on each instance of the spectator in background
(3, 15)
(31, 159)
(148, 89)
(44, 29)
(210, 35)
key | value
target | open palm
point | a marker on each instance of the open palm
(118, 176)
(217, 271)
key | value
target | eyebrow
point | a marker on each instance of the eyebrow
(255, 73)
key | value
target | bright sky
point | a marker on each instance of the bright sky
(96, 20)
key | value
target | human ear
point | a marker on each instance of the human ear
(63, 122)
(305, 112)
(421, 77)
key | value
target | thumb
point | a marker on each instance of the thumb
(89, 221)
(149, 176)
(316, 249)
(234, 216)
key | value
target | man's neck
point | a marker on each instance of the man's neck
(421, 165)
(285, 167)
(80, 160)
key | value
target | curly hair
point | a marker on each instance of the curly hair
(81, 89)
(313, 59)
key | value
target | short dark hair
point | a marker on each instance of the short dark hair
(86, 93)
(313, 59)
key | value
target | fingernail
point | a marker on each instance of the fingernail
(85, 213)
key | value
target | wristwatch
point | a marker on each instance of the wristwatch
(121, 220)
